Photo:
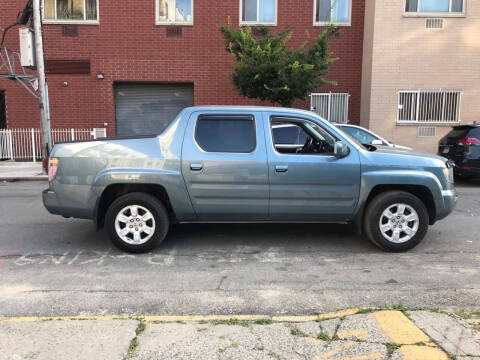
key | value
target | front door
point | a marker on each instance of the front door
(307, 181)
(224, 164)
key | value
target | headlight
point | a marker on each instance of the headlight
(448, 172)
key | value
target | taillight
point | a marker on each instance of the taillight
(469, 141)
(52, 168)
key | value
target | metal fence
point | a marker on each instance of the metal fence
(429, 106)
(25, 144)
(331, 106)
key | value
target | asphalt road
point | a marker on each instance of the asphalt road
(55, 266)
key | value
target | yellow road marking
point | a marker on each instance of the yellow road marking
(399, 328)
(335, 351)
(359, 334)
(315, 340)
(415, 352)
(364, 357)
(318, 317)
(174, 318)
(63, 318)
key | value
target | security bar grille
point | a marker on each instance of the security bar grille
(429, 106)
(331, 106)
(434, 23)
(426, 131)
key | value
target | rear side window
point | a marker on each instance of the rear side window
(458, 132)
(228, 134)
(475, 133)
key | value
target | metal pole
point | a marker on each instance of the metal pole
(33, 144)
(45, 121)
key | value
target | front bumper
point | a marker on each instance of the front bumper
(450, 198)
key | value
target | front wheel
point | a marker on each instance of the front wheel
(137, 222)
(396, 221)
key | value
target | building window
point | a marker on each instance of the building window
(258, 12)
(332, 12)
(435, 6)
(429, 106)
(331, 106)
(71, 11)
(174, 12)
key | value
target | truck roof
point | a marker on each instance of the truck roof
(245, 108)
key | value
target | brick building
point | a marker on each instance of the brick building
(125, 64)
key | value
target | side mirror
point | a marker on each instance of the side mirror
(377, 142)
(341, 149)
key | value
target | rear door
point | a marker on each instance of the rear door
(224, 164)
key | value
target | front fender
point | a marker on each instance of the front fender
(371, 179)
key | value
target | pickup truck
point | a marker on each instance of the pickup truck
(232, 164)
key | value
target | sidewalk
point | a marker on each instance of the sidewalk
(348, 335)
(21, 171)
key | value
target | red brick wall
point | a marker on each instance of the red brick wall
(128, 46)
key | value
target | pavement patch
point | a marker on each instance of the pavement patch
(46, 340)
(362, 327)
(448, 332)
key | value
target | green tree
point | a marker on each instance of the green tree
(268, 70)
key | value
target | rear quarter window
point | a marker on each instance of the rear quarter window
(226, 134)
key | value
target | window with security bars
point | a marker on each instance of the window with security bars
(429, 106)
(331, 106)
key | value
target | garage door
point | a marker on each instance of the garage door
(147, 109)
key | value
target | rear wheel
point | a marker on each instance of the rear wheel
(396, 221)
(137, 222)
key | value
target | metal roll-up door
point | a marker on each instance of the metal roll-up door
(147, 109)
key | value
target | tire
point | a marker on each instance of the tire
(376, 214)
(151, 223)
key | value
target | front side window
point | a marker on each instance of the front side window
(429, 106)
(226, 134)
(299, 136)
(332, 11)
(71, 10)
(258, 11)
(435, 6)
(174, 11)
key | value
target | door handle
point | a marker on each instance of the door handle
(196, 166)
(281, 168)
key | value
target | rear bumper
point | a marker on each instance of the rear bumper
(50, 201)
(468, 171)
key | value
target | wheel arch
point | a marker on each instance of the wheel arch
(113, 191)
(420, 191)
